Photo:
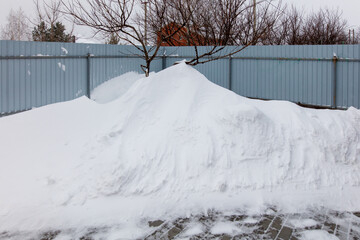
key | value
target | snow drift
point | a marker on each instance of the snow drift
(173, 143)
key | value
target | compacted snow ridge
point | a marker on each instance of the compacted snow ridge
(303, 223)
(225, 227)
(115, 87)
(173, 144)
(318, 235)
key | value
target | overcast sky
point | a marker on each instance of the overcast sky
(349, 8)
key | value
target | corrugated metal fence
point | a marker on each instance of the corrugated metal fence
(302, 74)
(34, 74)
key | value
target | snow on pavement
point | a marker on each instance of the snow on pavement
(173, 144)
(318, 235)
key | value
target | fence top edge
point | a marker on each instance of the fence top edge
(172, 56)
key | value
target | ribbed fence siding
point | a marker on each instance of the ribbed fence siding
(286, 79)
(297, 81)
(302, 74)
(103, 69)
(28, 83)
(306, 77)
(348, 73)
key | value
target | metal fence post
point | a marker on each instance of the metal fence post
(334, 82)
(88, 87)
(230, 73)
(163, 61)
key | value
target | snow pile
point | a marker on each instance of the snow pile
(318, 235)
(179, 133)
(172, 144)
(303, 223)
(115, 87)
(229, 228)
(195, 228)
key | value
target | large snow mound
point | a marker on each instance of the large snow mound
(176, 141)
(115, 88)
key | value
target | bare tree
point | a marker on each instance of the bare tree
(325, 27)
(322, 27)
(354, 36)
(270, 16)
(118, 17)
(50, 13)
(357, 36)
(287, 30)
(293, 35)
(16, 27)
(218, 23)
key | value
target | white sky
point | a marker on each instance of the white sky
(349, 8)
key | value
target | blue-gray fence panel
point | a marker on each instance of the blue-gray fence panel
(348, 74)
(284, 80)
(43, 73)
(302, 74)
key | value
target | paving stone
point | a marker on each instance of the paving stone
(196, 237)
(49, 235)
(329, 227)
(4, 234)
(225, 237)
(158, 233)
(273, 232)
(264, 224)
(285, 233)
(88, 235)
(277, 223)
(86, 238)
(234, 218)
(341, 235)
(173, 232)
(356, 220)
(355, 234)
(155, 223)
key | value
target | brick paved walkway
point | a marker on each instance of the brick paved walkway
(277, 226)
(272, 225)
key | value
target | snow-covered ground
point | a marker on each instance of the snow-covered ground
(173, 144)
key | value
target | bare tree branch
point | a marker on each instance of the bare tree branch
(217, 23)
(118, 17)
(16, 27)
